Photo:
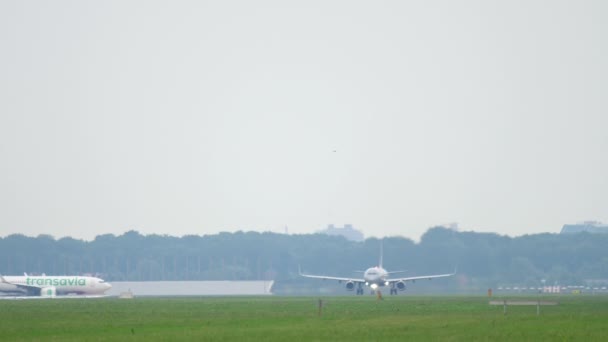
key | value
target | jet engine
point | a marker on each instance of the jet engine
(50, 291)
(400, 286)
(350, 285)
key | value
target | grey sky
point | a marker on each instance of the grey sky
(192, 117)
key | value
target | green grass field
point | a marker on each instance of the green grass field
(583, 318)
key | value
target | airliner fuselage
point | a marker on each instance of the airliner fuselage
(375, 277)
(52, 285)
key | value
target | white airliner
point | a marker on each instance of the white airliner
(51, 286)
(377, 277)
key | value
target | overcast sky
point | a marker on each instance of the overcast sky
(193, 117)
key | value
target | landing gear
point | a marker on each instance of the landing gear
(393, 290)
(359, 290)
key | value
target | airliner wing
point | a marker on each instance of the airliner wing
(340, 279)
(332, 278)
(21, 286)
(429, 277)
(30, 289)
(392, 272)
(56, 297)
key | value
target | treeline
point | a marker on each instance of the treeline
(482, 259)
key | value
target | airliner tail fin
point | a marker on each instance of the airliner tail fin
(381, 252)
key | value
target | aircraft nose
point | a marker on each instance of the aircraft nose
(108, 286)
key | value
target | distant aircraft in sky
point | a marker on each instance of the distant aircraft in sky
(52, 286)
(377, 277)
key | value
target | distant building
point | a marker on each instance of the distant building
(452, 226)
(587, 226)
(347, 231)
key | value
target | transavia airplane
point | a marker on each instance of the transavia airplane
(51, 286)
(377, 277)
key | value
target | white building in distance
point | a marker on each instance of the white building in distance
(348, 231)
